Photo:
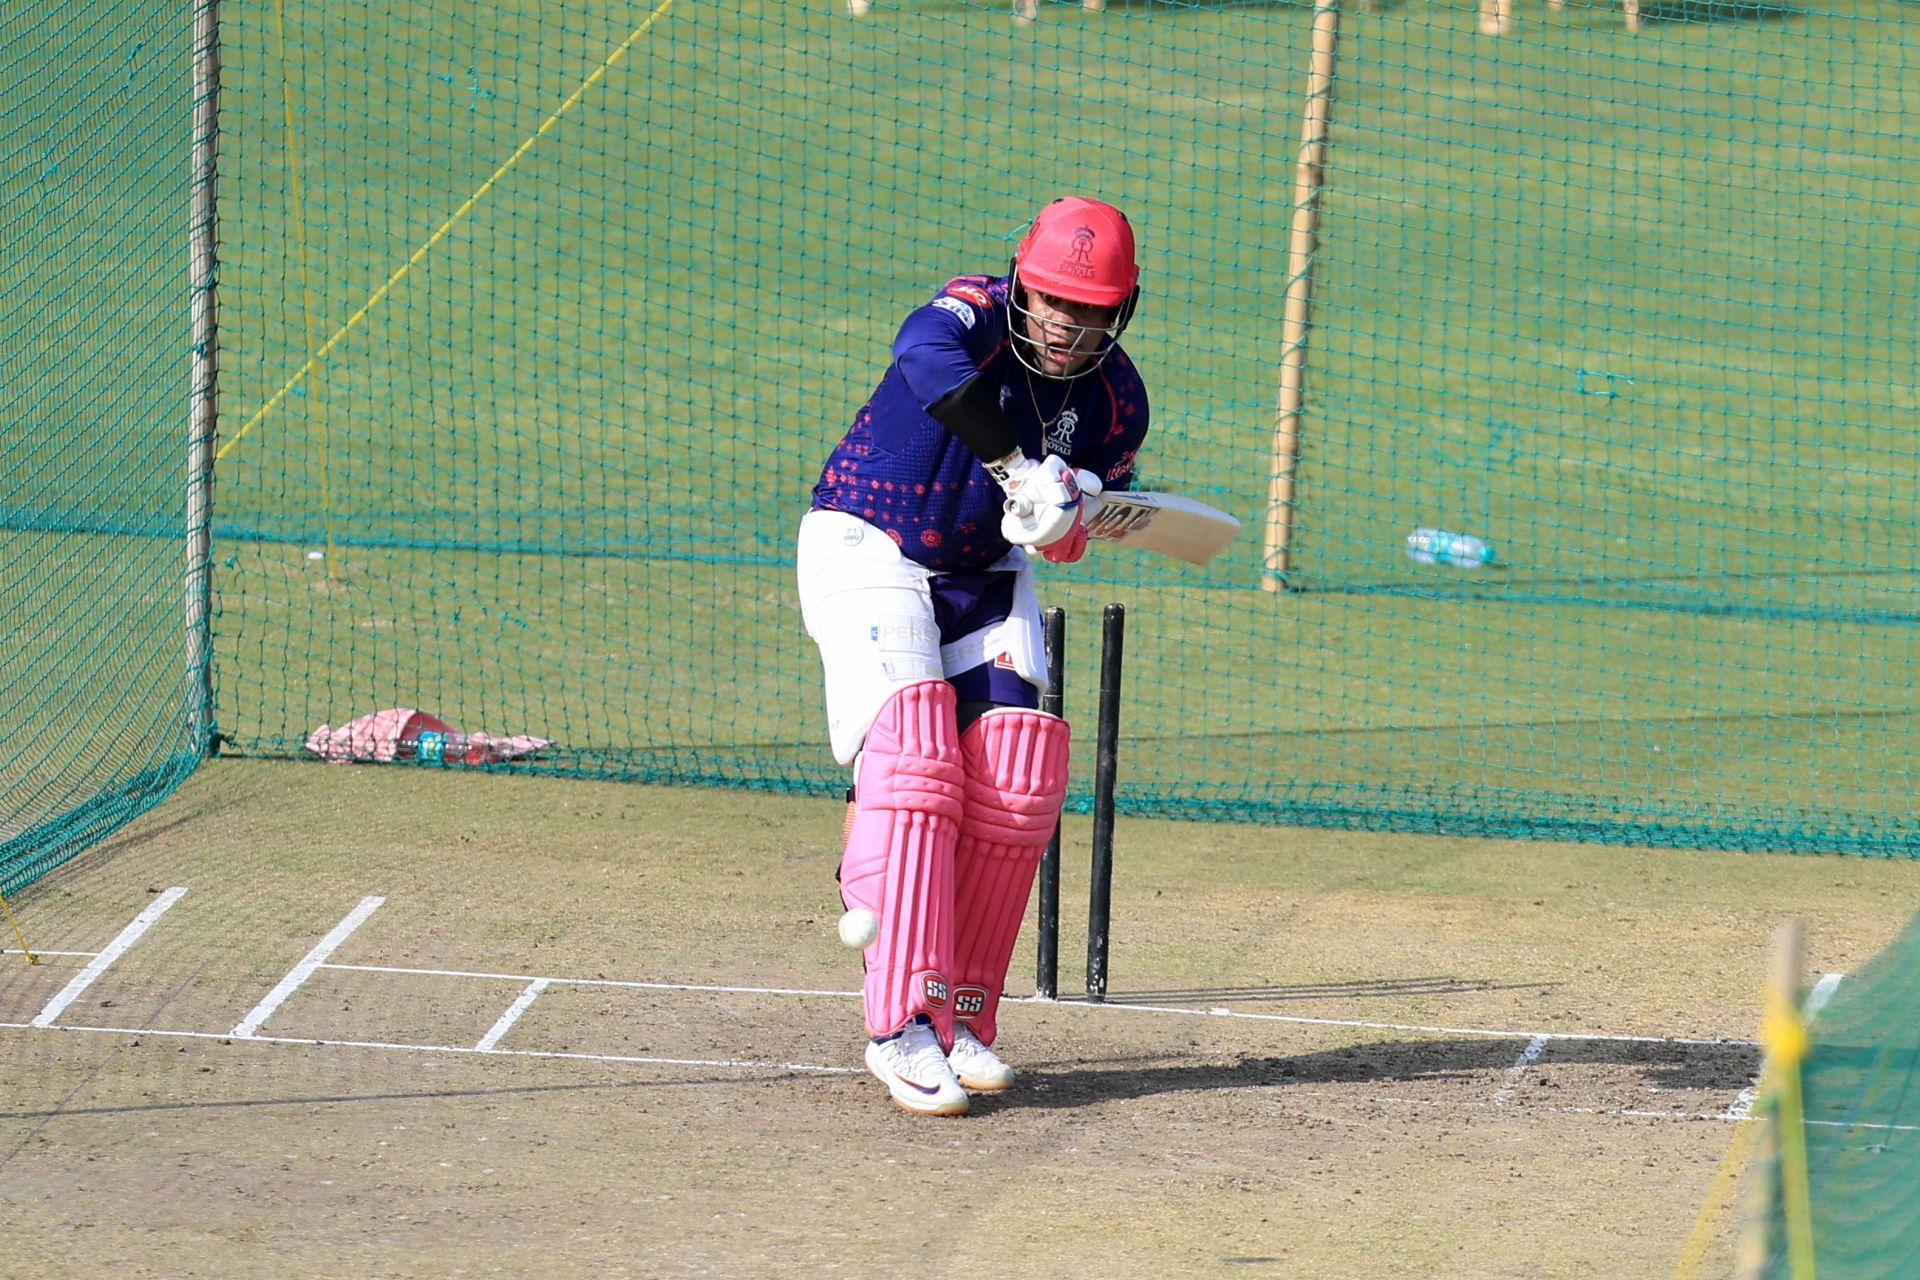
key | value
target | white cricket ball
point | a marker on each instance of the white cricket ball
(858, 928)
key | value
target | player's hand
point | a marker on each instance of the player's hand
(1070, 548)
(1043, 503)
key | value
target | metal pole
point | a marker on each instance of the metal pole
(1113, 624)
(1053, 629)
(204, 378)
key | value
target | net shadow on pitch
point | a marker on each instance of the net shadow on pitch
(1437, 985)
(1482, 1064)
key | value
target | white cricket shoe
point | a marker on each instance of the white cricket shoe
(976, 1066)
(914, 1069)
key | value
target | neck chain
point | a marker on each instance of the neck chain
(1033, 398)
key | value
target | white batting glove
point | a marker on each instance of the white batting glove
(1043, 501)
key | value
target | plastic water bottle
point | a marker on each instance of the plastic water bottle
(1437, 546)
(434, 747)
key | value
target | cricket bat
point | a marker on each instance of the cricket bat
(1165, 523)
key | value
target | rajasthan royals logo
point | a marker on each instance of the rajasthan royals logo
(1079, 259)
(1060, 433)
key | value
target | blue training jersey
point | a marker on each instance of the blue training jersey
(899, 469)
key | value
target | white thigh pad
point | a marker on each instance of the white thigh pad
(1015, 637)
(868, 609)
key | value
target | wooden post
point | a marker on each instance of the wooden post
(203, 377)
(1495, 17)
(1293, 334)
(1782, 1035)
(1788, 1044)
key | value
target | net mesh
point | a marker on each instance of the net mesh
(94, 683)
(1861, 1115)
(539, 320)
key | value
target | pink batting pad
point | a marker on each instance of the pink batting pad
(899, 860)
(1016, 770)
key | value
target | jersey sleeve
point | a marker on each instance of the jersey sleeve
(943, 343)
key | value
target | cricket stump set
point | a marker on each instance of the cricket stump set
(1113, 622)
(1171, 525)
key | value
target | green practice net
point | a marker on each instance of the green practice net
(540, 319)
(1862, 1125)
(96, 699)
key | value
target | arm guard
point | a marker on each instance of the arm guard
(972, 412)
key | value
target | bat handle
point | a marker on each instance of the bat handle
(1020, 507)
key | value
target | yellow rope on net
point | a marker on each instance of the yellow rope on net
(440, 233)
(24, 948)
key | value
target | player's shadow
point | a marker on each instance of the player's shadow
(1487, 1063)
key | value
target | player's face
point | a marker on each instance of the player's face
(1065, 334)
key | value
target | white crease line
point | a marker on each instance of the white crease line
(1491, 1033)
(1742, 1105)
(512, 1015)
(741, 1063)
(1822, 992)
(1528, 1056)
(302, 971)
(590, 982)
(13, 951)
(1290, 1019)
(819, 1069)
(98, 965)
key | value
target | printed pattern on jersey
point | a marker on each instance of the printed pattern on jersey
(900, 470)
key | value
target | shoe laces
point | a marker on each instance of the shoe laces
(916, 1042)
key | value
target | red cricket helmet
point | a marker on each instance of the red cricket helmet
(1079, 249)
(1082, 250)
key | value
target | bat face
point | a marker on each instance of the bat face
(1115, 520)
(1165, 523)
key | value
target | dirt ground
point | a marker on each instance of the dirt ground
(572, 1029)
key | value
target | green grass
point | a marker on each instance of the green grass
(1627, 305)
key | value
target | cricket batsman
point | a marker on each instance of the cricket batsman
(1008, 398)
